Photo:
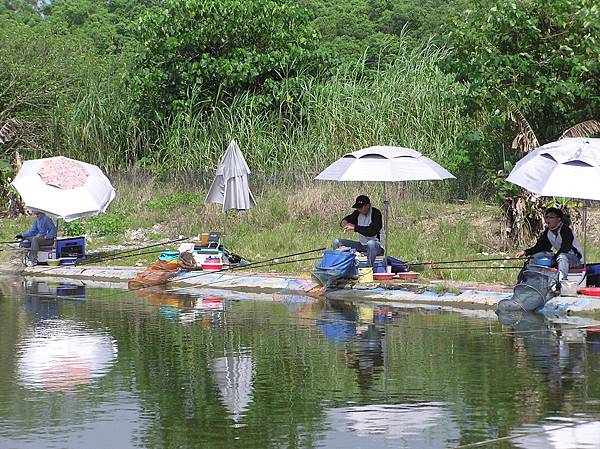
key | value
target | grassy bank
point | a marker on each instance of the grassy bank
(293, 219)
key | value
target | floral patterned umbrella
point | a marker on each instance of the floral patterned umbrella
(63, 187)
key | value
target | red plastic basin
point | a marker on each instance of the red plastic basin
(590, 291)
(408, 275)
(383, 276)
(212, 266)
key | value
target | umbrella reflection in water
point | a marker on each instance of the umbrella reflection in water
(61, 355)
(417, 425)
(234, 375)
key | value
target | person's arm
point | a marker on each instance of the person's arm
(543, 244)
(350, 219)
(567, 237)
(33, 231)
(375, 226)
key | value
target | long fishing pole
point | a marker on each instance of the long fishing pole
(476, 268)
(272, 261)
(119, 253)
(267, 262)
(441, 262)
(171, 290)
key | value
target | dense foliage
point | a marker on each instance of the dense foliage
(197, 53)
(542, 55)
(166, 84)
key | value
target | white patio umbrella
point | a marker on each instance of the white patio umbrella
(567, 168)
(385, 164)
(230, 186)
(63, 187)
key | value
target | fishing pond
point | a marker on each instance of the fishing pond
(84, 367)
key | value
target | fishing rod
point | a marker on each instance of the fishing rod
(475, 268)
(441, 262)
(268, 262)
(232, 269)
(119, 253)
(272, 261)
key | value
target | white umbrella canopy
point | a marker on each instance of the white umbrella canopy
(230, 186)
(567, 168)
(63, 187)
(385, 164)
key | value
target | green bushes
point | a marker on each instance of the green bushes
(109, 224)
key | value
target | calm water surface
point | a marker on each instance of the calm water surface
(99, 368)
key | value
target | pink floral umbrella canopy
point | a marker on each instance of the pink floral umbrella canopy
(63, 187)
(63, 173)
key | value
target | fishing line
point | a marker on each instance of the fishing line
(113, 256)
(523, 435)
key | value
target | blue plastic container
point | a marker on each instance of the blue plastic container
(361, 264)
(341, 261)
(169, 255)
(379, 266)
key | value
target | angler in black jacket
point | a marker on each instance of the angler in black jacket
(559, 236)
(366, 221)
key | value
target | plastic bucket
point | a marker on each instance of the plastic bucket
(365, 274)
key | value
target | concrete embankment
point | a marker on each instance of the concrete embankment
(447, 296)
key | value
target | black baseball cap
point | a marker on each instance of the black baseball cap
(361, 200)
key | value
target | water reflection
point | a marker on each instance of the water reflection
(231, 371)
(569, 433)
(234, 374)
(62, 354)
(358, 328)
(553, 348)
(413, 425)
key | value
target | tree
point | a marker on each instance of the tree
(194, 54)
(541, 54)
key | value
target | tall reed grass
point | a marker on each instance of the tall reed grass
(408, 103)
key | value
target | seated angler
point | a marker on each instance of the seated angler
(558, 236)
(42, 233)
(366, 221)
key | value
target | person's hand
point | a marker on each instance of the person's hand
(520, 254)
(18, 237)
(348, 227)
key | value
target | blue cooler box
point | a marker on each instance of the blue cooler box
(70, 247)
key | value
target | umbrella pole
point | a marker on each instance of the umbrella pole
(385, 217)
(584, 230)
(224, 231)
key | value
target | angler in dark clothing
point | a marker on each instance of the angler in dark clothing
(366, 221)
(558, 236)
